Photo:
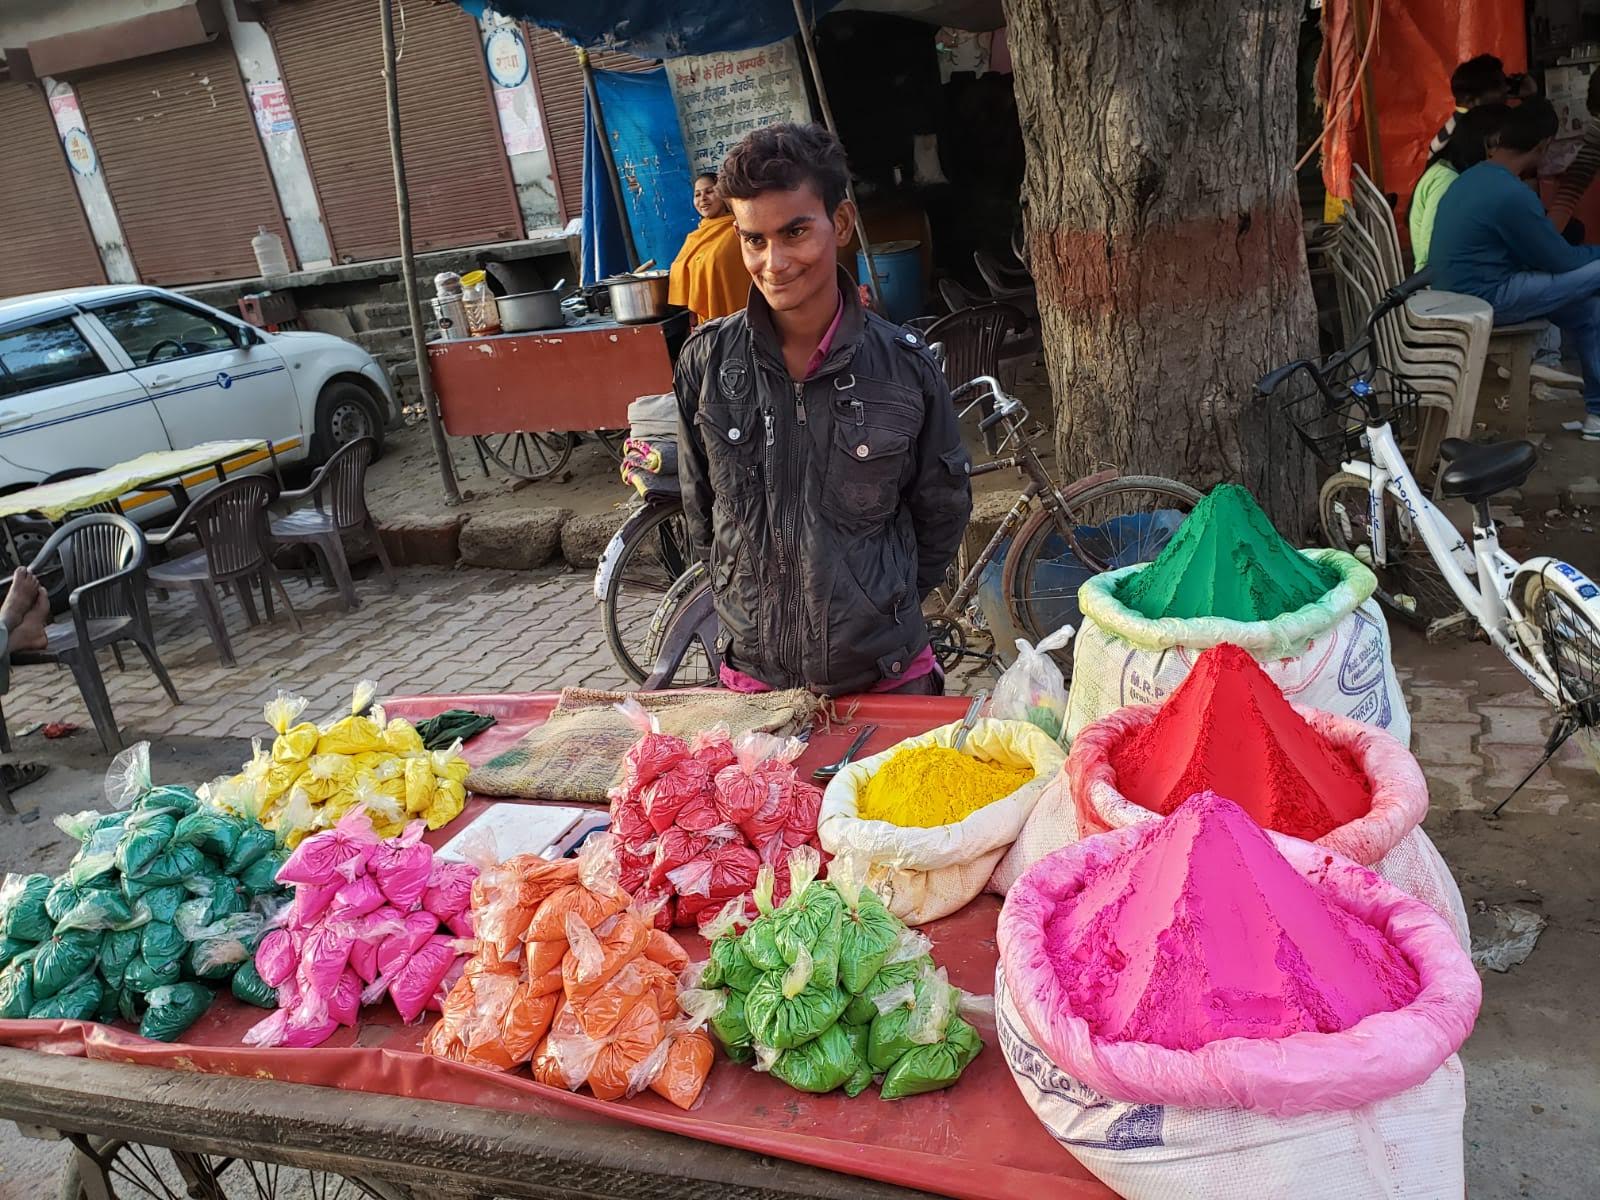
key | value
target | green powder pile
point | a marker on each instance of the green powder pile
(1226, 561)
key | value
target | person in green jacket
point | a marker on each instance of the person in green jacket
(1465, 147)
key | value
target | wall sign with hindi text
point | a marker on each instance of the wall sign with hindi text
(722, 97)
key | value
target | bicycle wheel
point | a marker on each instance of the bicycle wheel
(1114, 524)
(611, 441)
(1411, 584)
(528, 455)
(696, 670)
(133, 1170)
(654, 553)
(1569, 639)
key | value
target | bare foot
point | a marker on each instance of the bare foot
(25, 612)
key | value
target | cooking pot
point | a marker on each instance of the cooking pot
(638, 297)
(532, 310)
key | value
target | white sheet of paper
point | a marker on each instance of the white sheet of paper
(517, 829)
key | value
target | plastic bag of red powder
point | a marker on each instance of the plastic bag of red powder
(635, 862)
(688, 780)
(449, 889)
(417, 982)
(674, 848)
(628, 819)
(721, 872)
(700, 815)
(401, 866)
(335, 856)
(744, 787)
(653, 754)
(714, 748)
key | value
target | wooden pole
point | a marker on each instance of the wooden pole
(1369, 110)
(408, 262)
(827, 119)
(604, 139)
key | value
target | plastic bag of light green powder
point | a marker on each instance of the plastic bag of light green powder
(787, 1009)
(22, 911)
(934, 1066)
(16, 989)
(810, 918)
(726, 964)
(905, 961)
(61, 958)
(173, 1009)
(732, 1028)
(910, 1015)
(826, 1062)
(758, 940)
(867, 931)
(78, 1001)
(145, 837)
(247, 985)
(862, 1079)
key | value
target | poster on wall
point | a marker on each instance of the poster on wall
(270, 102)
(520, 128)
(722, 97)
(74, 136)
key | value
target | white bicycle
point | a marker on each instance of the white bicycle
(1543, 614)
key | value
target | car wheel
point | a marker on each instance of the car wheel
(345, 412)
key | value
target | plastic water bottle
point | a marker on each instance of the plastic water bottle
(270, 257)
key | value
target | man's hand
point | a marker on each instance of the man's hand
(25, 612)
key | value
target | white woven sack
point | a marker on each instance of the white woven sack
(1052, 825)
(1405, 1147)
(925, 874)
(1333, 654)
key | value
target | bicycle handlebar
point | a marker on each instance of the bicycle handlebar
(992, 420)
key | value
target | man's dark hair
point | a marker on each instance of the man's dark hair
(1525, 126)
(1469, 141)
(1477, 77)
(782, 158)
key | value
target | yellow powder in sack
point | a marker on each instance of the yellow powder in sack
(935, 785)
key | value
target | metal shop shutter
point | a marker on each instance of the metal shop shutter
(331, 55)
(44, 237)
(561, 97)
(184, 164)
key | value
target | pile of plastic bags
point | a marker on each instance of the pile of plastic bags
(162, 905)
(830, 989)
(314, 775)
(698, 818)
(572, 977)
(370, 917)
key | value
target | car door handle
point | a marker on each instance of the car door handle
(163, 380)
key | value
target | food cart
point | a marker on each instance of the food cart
(522, 396)
(384, 1119)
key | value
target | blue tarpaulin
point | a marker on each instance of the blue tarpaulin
(604, 252)
(660, 28)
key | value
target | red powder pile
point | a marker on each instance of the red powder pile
(1228, 728)
(1203, 931)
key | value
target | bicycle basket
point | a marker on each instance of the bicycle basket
(1332, 430)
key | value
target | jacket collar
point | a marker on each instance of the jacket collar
(852, 325)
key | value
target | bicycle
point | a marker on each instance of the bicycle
(1102, 521)
(641, 569)
(1543, 615)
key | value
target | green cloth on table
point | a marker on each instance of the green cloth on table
(440, 732)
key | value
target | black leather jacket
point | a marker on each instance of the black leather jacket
(827, 510)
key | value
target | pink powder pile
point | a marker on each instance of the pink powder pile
(1204, 931)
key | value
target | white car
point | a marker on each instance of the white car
(95, 376)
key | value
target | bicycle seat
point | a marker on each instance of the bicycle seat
(1477, 472)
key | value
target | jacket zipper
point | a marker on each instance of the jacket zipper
(791, 532)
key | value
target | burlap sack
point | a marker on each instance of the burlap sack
(576, 755)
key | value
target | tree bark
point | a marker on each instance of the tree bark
(1165, 234)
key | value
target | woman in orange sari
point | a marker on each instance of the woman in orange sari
(709, 276)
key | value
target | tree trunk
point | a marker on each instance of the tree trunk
(1165, 234)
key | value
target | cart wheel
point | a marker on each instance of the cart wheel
(612, 440)
(132, 1170)
(528, 455)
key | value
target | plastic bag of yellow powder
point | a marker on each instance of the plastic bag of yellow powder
(925, 872)
(295, 742)
(362, 731)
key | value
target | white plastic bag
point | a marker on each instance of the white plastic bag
(1032, 688)
(1333, 654)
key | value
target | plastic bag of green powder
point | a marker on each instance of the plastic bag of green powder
(144, 976)
(868, 930)
(730, 1025)
(217, 948)
(789, 1008)
(130, 1005)
(145, 838)
(936, 1065)
(16, 989)
(726, 964)
(61, 958)
(223, 899)
(862, 1079)
(261, 876)
(248, 986)
(13, 948)
(187, 865)
(87, 906)
(162, 902)
(78, 1001)
(217, 833)
(905, 961)
(826, 1062)
(160, 942)
(173, 1009)
(22, 912)
(117, 950)
(109, 1009)
(98, 835)
(255, 843)
(810, 919)
(180, 800)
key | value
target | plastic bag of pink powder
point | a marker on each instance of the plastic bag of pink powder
(416, 984)
(449, 889)
(334, 856)
(310, 902)
(402, 865)
(344, 1002)
(277, 957)
(414, 931)
(354, 900)
(369, 932)
(653, 754)
(462, 925)
(1380, 1056)
(323, 958)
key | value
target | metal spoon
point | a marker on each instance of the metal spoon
(821, 774)
(970, 719)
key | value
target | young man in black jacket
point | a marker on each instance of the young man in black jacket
(824, 479)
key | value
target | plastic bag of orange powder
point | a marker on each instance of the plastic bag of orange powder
(594, 896)
(620, 1054)
(596, 954)
(526, 1021)
(663, 948)
(639, 982)
(686, 1065)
